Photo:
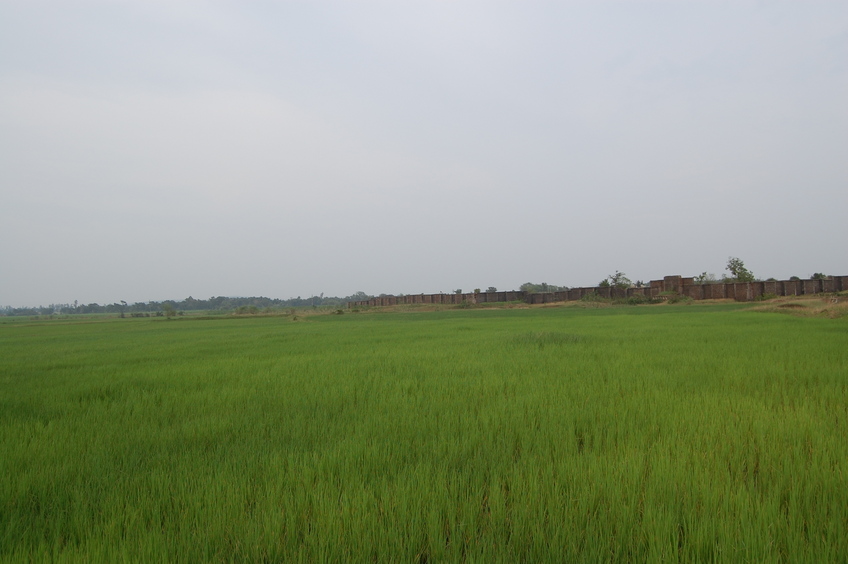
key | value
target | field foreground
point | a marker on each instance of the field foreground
(695, 434)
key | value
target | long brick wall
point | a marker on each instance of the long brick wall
(739, 291)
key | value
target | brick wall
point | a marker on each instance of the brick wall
(673, 284)
(791, 287)
(773, 287)
(714, 291)
(811, 286)
(694, 291)
(737, 291)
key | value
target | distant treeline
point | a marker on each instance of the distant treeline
(220, 303)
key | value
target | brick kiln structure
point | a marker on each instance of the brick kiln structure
(739, 291)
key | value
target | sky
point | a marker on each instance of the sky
(154, 150)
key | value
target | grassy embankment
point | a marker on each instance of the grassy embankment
(696, 433)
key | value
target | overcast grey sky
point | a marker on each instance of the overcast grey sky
(154, 150)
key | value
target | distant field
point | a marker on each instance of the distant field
(696, 433)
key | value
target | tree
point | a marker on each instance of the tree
(738, 271)
(491, 289)
(617, 280)
(705, 278)
(458, 291)
(819, 276)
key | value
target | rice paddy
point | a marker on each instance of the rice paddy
(700, 433)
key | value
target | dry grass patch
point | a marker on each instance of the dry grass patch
(832, 306)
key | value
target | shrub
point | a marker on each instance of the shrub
(637, 300)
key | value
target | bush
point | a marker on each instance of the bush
(594, 297)
(636, 300)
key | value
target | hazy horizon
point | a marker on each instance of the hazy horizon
(153, 151)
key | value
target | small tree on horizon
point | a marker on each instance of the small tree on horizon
(705, 278)
(738, 271)
(617, 280)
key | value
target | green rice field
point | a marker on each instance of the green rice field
(692, 433)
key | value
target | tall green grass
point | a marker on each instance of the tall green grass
(697, 434)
